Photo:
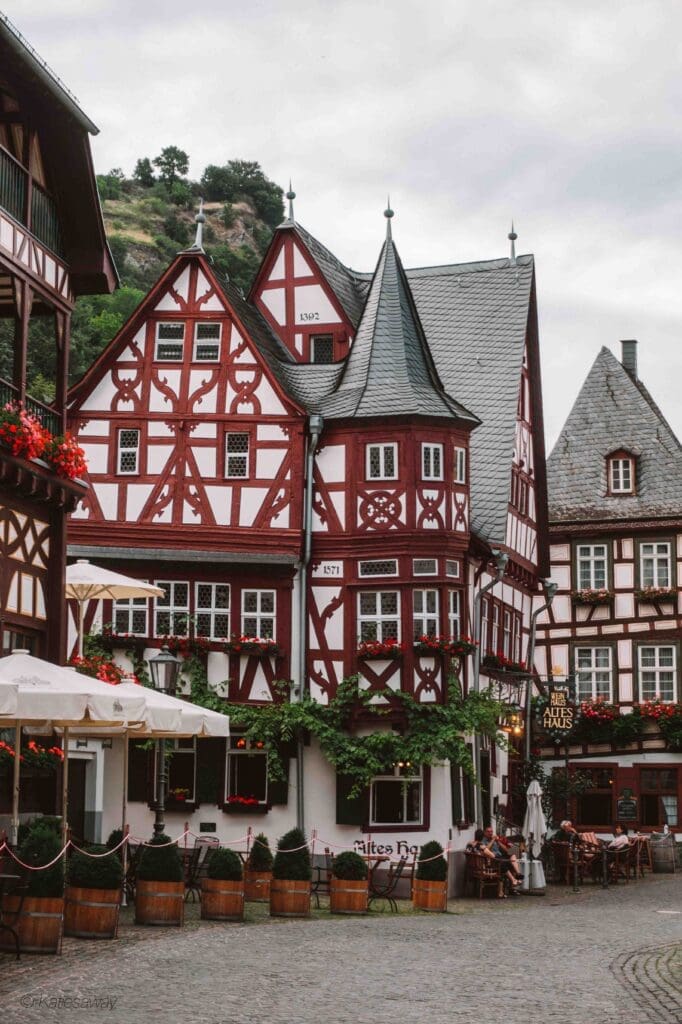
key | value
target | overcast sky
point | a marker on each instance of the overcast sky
(563, 115)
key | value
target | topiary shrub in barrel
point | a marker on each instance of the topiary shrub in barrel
(115, 837)
(260, 854)
(95, 872)
(41, 845)
(431, 867)
(160, 862)
(293, 866)
(350, 867)
(225, 865)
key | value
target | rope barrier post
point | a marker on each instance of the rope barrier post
(124, 897)
(249, 834)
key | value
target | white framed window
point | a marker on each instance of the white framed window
(454, 613)
(322, 348)
(170, 342)
(212, 610)
(432, 462)
(378, 567)
(131, 616)
(258, 613)
(592, 562)
(460, 466)
(397, 798)
(452, 568)
(655, 564)
(507, 633)
(247, 771)
(378, 615)
(425, 621)
(128, 459)
(485, 626)
(517, 627)
(381, 461)
(658, 673)
(621, 475)
(236, 455)
(182, 771)
(207, 334)
(424, 566)
(495, 628)
(594, 673)
(171, 612)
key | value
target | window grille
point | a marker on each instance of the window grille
(592, 566)
(385, 567)
(452, 568)
(460, 466)
(258, 613)
(207, 342)
(322, 348)
(128, 451)
(454, 613)
(424, 566)
(170, 339)
(658, 673)
(432, 461)
(425, 613)
(594, 673)
(654, 564)
(212, 610)
(379, 615)
(130, 616)
(381, 461)
(171, 612)
(237, 455)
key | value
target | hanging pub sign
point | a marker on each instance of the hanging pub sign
(557, 713)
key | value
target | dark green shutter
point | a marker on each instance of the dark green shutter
(210, 771)
(140, 770)
(456, 793)
(350, 810)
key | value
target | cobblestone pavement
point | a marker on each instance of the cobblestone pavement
(603, 957)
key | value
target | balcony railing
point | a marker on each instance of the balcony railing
(44, 221)
(50, 419)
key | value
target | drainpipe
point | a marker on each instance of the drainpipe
(315, 424)
(501, 559)
(550, 590)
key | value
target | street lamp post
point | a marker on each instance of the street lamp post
(164, 669)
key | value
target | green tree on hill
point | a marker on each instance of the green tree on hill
(144, 172)
(173, 163)
(239, 178)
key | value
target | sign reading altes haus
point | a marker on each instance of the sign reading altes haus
(559, 713)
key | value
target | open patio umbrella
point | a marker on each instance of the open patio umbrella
(534, 823)
(86, 582)
(56, 696)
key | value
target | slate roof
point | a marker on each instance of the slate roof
(389, 371)
(614, 410)
(349, 287)
(475, 317)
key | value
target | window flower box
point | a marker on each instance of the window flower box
(244, 805)
(650, 594)
(186, 645)
(456, 647)
(108, 640)
(26, 437)
(263, 648)
(370, 650)
(500, 663)
(592, 597)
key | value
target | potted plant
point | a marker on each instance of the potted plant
(93, 894)
(222, 891)
(291, 876)
(160, 889)
(430, 888)
(258, 871)
(348, 884)
(41, 921)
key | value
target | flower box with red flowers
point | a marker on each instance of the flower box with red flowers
(598, 712)
(456, 647)
(47, 759)
(21, 432)
(99, 667)
(499, 662)
(108, 640)
(244, 805)
(651, 594)
(261, 647)
(592, 597)
(185, 646)
(66, 456)
(369, 650)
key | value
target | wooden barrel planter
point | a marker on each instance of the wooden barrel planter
(257, 886)
(222, 900)
(159, 903)
(430, 895)
(663, 854)
(346, 897)
(40, 924)
(289, 898)
(91, 913)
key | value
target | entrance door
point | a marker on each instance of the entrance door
(485, 787)
(77, 768)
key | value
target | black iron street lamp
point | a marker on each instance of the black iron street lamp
(164, 669)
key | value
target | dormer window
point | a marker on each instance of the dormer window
(621, 473)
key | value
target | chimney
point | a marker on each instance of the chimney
(629, 357)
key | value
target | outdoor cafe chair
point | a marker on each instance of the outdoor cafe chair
(384, 888)
(484, 873)
(322, 876)
(9, 919)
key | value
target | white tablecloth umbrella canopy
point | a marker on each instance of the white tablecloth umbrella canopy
(534, 823)
(8, 698)
(86, 582)
(51, 695)
(190, 719)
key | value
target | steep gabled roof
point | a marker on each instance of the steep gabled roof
(389, 371)
(476, 317)
(614, 411)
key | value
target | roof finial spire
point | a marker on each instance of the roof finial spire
(291, 195)
(200, 220)
(388, 213)
(512, 236)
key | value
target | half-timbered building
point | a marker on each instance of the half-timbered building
(52, 249)
(332, 463)
(614, 628)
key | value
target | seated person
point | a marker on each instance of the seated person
(620, 839)
(499, 848)
(566, 833)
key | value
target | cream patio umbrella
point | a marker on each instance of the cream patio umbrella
(86, 582)
(534, 823)
(50, 695)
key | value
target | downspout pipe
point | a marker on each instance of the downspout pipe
(315, 425)
(550, 590)
(501, 559)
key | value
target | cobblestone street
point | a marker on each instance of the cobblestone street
(604, 957)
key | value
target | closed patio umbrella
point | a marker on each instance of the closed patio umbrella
(87, 582)
(534, 823)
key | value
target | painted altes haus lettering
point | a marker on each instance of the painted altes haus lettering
(328, 463)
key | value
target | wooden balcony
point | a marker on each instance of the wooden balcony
(40, 214)
(49, 418)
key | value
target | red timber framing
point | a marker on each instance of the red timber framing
(294, 297)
